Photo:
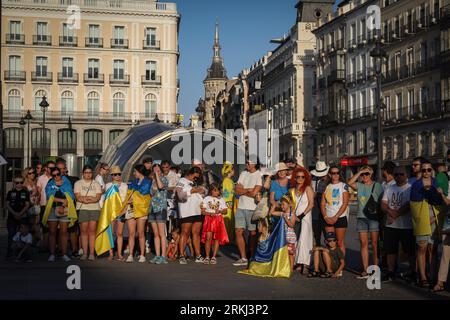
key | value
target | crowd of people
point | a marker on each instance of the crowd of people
(173, 213)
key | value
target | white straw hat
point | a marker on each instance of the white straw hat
(321, 169)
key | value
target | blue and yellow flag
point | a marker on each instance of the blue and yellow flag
(141, 197)
(66, 189)
(422, 200)
(272, 256)
(112, 207)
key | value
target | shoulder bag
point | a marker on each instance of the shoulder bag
(371, 208)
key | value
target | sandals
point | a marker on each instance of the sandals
(438, 288)
(206, 261)
(424, 284)
(213, 260)
(121, 259)
(313, 274)
(326, 275)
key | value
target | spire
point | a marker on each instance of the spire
(216, 46)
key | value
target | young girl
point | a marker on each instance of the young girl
(214, 207)
(172, 249)
(289, 218)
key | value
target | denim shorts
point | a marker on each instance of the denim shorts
(428, 238)
(367, 225)
(160, 216)
(243, 219)
(88, 215)
(52, 217)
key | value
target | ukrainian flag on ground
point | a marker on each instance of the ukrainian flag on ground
(112, 206)
(272, 257)
(141, 197)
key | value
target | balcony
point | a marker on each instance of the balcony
(117, 80)
(428, 64)
(64, 77)
(337, 75)
(365, 113)
(418, 112)
(94, 78)
(151, 45)
(361, 77)
(119, 43)
(362, 40)
(15, 76)
(68, 41)
(151, 81)
(372, 36)
(351, 79)
(94, 42)
(352, 44)
(42, 40)
(330, 48)
(43, 77)
(15, 38)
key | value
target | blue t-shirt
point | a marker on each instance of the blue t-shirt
(280, 191)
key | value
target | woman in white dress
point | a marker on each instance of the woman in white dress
(302, 196)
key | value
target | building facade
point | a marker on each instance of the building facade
(416, 102)
(103, 65)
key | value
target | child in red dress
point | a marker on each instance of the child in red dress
(213, 208)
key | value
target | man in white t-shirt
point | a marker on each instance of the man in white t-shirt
(399, 227)
(248, 186)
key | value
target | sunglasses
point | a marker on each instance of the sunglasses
(31, 172)
(331, 240)
(427, 170)
(334, 173)
(56, 175)
(300, 177)
(365, 174)
(116, 174)
(88, 172)
(18, 182)
(51, 168)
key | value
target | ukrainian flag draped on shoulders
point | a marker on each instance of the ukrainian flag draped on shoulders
(272, 256)
(422, 200)
(66, 189)
(140, 193)
(112, 207)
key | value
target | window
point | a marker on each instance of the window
(94, 33)
(38, 98)
(424, 96)
(119, 35)
(363, 28)
(93, 141)
(411, 102)
(67, 141)
(15, 30)
(399, 105)
(353, 106)
(14, 101)
(388, 147)
(37, 139)
(150, 37)
(353, 144)
(150, 105)
(42, 31)
(93, 68)
(118, 69)
(15, 64)
(425, 143)
(412, 144)
(67, 103)
(363, 141)
(93, 103)
(363, 103)
(423, 53)
(353, 31)
(41, 66)
(410, 61)
(13, 138)
(67, 33)
(113, 134)
(150, 70)
(119, 105)
(67, 67)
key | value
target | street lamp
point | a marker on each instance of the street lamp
(156, 119)
(44, 105)
(379, 54)
(23, 121)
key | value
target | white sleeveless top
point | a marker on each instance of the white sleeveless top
(302, 203)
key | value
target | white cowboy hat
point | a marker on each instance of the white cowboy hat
(321, 169)
(281, 166)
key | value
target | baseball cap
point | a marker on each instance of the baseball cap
(330, 235)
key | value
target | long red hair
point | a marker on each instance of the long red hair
(307, 181)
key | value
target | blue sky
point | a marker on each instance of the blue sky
(246, 28)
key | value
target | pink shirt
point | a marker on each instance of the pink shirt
(41, 184)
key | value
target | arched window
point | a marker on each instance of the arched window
(93, 104)
(67, 141)
(14, 101)
(400, 146)
(412, 145)
(37, 139)
(150, 105)
(67, 103)
(118, 105)
(113, 134)
(38, 98)
(93, 142)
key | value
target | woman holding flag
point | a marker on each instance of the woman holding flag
(113, 207)
(60, 210)
(139, 200)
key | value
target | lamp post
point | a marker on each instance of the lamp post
(44, 105)
(156, 119)
(379, 54)
(23, 121)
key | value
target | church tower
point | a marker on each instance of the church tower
(214, 82)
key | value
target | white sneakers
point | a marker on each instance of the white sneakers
(91, 257)
(66, 258)
(240, 262)
(51, 258)
(130, 259)
(142, 259)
